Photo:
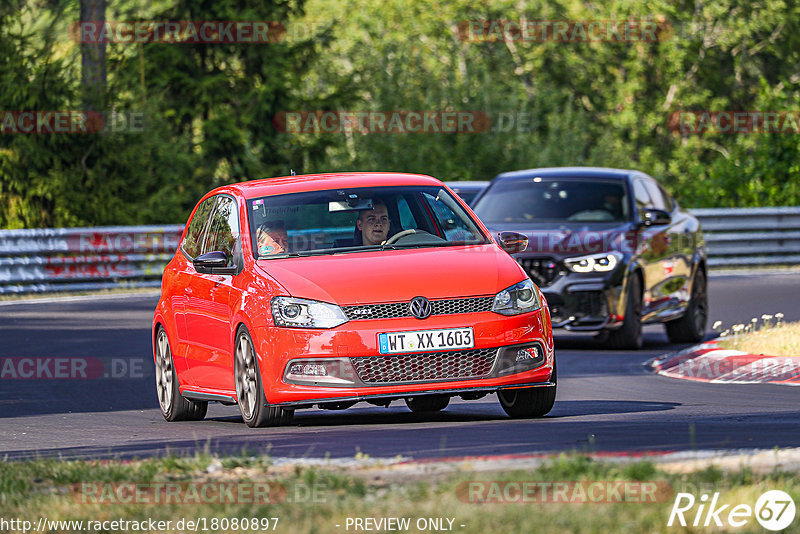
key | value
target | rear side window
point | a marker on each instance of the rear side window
(455, 227)
(193, 242)
(224, 230)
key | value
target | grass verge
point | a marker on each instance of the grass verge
(772, 340)
(330, 500)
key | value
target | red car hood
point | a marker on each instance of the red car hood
(397, 275)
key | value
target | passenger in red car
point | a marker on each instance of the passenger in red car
(272, 239)
(374, 224)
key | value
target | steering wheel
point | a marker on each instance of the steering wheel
(398, 235)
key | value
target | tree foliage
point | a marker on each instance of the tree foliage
(210, 109)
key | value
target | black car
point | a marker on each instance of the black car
(468, 191)
(609, 248)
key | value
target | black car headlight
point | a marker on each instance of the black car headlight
(304, 313)
(519, 298)
(599, 263)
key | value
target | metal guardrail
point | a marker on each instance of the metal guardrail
(80, 259)
(751, 236)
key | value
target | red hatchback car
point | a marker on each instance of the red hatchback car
(327, 290)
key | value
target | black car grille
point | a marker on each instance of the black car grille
(400, 309)
(543, 271)
(590, 304)
(434, 366)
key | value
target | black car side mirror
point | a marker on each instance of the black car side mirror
(654, 217)
(213, 263)
(512, 242)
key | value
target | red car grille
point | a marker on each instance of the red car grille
(398, 368)
(400, 309)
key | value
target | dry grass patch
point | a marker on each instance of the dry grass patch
(780, 340)
(29, 490)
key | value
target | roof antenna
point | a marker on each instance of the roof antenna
(292, 171)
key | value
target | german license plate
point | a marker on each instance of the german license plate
(426, 340)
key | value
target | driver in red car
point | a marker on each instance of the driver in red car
(374, 224)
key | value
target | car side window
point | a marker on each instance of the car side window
(669, 202)
(192, 243)
(641, 195)
(224, 230)
(656, 195)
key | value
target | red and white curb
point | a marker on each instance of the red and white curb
(709, 363)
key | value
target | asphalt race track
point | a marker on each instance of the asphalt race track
(606, 400)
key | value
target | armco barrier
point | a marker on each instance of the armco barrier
(81, 259)
(751, 236)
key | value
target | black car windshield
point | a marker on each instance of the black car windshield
(468, 195)
(358, 219)
(542, 199)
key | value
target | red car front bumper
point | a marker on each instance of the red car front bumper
(277, 347)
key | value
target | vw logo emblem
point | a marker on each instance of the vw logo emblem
(420, 307)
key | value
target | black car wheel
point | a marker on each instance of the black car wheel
(250, 390)
(174, 406)
(629, 335)
(692, 326)
(427, 403)
(531, 402)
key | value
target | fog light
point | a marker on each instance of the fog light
(520, 358)
(530, 353)
(323, 372)
(309, 369)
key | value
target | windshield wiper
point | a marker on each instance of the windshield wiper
(440, 244)
(291, 254)
(367, 248)
(326, 251)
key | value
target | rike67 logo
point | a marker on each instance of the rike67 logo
(774, 510)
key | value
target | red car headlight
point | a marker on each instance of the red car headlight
(519, 298)
(304, 313)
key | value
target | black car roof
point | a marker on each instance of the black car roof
(583, 172)
(475, 184)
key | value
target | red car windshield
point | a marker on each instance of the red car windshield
(352, 220)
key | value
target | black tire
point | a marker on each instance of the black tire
(629, 335)
(527, 403)
(174, 406)
(691, 327)
(250, 390)
(427, 403)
